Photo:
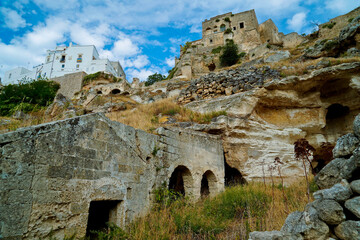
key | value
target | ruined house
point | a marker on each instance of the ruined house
(243, 28)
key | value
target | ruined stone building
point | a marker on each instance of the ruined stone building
(72, 176)
(243, 28)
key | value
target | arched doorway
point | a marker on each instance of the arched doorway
(208, 184)
(181, 180)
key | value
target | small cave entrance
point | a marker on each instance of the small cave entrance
(180, 180)
(233, 176)
(322, 156)
(336, 111)
(99, 92)
(208, 184)
(101, 213)
(115, 91)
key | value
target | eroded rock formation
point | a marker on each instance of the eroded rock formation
(335, 213)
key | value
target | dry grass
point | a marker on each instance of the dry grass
(299, 68)
(34, 118)
(232, 214)
(148, 116)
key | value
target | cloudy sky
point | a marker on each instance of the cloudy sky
(143, 35)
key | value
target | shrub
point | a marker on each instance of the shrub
(230, 54)
(228, 31)
(216, 50)
(172, 73)
(350, 20)
(329, 25)
(27, 96)
(156, 77)
(227, 19)
(242, 54)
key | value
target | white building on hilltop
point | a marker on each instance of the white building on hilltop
(64, 60)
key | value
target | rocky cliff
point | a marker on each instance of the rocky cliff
(335, 213)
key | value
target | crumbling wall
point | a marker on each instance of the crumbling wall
(70, 83)
(51, 173)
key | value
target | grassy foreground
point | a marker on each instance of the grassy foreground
(232, 214)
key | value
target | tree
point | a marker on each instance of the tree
(230, 54)
(156, 77)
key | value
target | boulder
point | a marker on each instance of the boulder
(355, 186)
(348, 230)
(329, 211)
(356, 126)
(323, 48)
(348, 33)
(335, 171)
(278, 56)
(307, 224)
(353, 205)
(274, 235)
(340, 192)
(345, 145)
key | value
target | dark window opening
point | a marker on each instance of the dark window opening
(62, 59)
(79, 59)
(222, 27)
(208, 29)
(211, 41)
(241, 25)
(336, 111)
(233, 176)
(100, 213)
(234, 28)
(99, 92)
(115, 91)
(212, 67)
(177, 180)
(205, 191)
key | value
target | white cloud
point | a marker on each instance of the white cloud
(124, 47)
(98, 36)
(170, 61)
(297, 22)
(341, 7)
(12, 19)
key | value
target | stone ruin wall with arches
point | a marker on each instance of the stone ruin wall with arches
(73, 176)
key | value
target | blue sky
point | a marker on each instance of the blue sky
(143, 35)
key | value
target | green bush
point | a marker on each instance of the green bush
(216, 50)
(27, 96)
(230, 54)
(329, 26)
(156, 77)
(227, 19)
(238, 202)
(227, 31)
(172, 73)
(242, 54)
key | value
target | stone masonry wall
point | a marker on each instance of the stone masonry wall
(50, 173)
(70, 83)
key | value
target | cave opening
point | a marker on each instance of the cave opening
(204, 191)
(115, 91)
(336, 111)
(100, 214)
(233, 176)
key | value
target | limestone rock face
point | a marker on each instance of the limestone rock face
(329, 211)
(274, 235)
(357, 126)
(335, 171)
(355, 186)
(353, 205)
(345, 145)
(277, 56)
(340, 192)
(348, 230)
(307, 224)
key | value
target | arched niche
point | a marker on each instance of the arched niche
(181, 180)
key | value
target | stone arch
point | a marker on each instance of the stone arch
(208, 184)
(181, 180)
(336, 110)
(208, 31)
(222, 27)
